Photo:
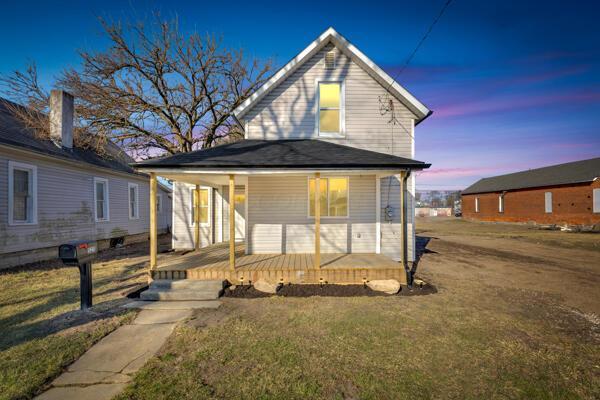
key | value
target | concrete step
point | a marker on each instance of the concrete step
(187, 284)
(179, 294)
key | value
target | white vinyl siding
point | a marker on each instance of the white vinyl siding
(548, 202)
(101, 200)
(64, 194)
(183, 217)
(22, 193)
(278, 220)
(134, 193)
(596, 196)
(289, 110)
(476, 204)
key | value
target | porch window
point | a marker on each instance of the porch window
(101, 199)
(22, 193)
(333, 196)
(203, 206)
(331, 109)
(133, 201)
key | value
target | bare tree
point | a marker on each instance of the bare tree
(154, 90)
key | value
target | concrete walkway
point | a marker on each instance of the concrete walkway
(107, 367)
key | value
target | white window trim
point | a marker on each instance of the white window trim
(342, 133)
(137, 200)
(12, 165)
(476, 204)
(191, 197)
(308, 178)
(547, 210)
(106, 200)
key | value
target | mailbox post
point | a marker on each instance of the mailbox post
(80, 254)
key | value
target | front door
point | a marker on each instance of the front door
(240, 214)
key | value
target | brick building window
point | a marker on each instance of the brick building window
(596, 195)
(548, 202)
(501, 203)
(477, 204)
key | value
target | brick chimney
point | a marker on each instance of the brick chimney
(61, 118)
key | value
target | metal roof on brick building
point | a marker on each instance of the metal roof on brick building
(561, 174)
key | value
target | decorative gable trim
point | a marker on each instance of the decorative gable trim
(330, 35)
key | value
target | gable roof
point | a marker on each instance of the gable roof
(561, 174)
(330, 35)
(284, 154)
(14, 133)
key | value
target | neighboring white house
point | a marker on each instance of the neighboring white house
(318, 118)
(52, 192)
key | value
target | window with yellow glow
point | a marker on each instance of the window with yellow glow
(333, 197)
(330, 107)
(203, 205)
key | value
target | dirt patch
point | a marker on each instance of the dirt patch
(249, 292)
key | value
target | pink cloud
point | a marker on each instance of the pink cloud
(513, 102)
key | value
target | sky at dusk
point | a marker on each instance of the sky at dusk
(513, 85)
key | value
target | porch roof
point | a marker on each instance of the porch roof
(282, 154)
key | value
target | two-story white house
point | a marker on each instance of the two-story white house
(320, 189)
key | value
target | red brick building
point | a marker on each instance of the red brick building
(560, 194)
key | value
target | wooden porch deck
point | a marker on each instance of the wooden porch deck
(212, 262)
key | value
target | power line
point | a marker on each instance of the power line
(425, 36)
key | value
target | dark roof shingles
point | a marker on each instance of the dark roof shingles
(561, 174)
(14, 133)
(291, 153)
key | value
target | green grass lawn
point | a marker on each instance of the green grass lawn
(482, 344)
(42, 329)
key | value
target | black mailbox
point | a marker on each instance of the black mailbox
(80, 254)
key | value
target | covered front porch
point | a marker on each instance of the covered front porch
(212, 262)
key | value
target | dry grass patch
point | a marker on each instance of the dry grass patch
(438, 346)
(42, 328)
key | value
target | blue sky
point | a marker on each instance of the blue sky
(512, 86)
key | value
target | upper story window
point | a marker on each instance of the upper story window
(203, 206)
(22, 193)
(133, 201)
(330, 121)
(101, 199)
(333, 197)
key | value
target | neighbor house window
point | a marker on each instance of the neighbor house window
(203, 206)
(101, 199)
(330, 121)
(333, 197)
(501, 203)
(22, 193)
(158, 203)
(596, 196)
(134, 201)
(477, 204)
(548, 202)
